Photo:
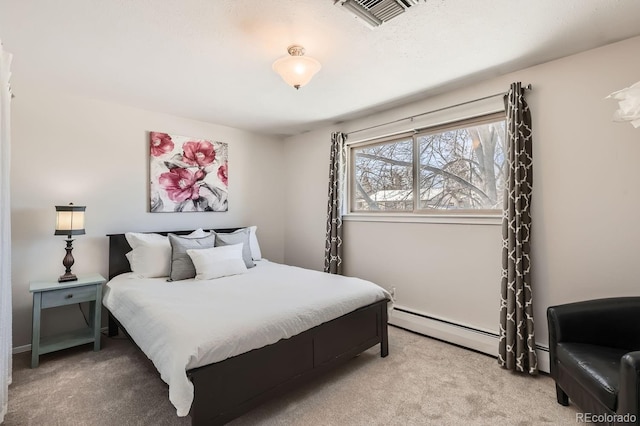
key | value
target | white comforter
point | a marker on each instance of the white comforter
(185, 324)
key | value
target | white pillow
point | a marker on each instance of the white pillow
(199, 233)
(150, 256)
(217, 262)
(256, 254)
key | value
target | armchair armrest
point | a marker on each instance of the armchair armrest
(629, 391)
(613, 322)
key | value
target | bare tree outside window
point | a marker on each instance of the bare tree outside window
(384, 176)
(459, 168)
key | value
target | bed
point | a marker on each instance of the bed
(239, 379)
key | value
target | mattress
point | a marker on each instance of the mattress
(185, 324)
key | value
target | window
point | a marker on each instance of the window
(384, 176)
(457, 168)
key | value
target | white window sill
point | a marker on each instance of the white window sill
(462, 219)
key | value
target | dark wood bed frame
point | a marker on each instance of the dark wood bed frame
(227, 389)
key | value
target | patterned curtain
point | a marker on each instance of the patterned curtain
(333, 243)
(517, 346)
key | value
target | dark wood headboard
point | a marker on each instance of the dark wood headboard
(119, 247)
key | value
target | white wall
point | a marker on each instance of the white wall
(70, 149)
(586, 201)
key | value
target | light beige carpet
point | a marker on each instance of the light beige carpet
(422, 382)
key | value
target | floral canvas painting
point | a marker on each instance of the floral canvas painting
(187, 174)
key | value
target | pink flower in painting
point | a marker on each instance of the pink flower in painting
(222, 173)
(198, 153)
(200, 174)
(180, 184)
(161, 143)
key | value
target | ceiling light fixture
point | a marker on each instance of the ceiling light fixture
(628, 104)
(296, 69)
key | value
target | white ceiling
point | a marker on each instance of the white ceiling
(211, 60)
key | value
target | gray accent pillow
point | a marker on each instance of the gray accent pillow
(237, 237)
(181, 264)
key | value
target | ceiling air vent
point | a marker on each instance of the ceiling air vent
(375, 12)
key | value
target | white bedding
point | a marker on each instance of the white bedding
(185, 324)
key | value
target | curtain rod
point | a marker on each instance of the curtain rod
(527, 87)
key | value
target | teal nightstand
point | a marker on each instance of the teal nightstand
(50, 294)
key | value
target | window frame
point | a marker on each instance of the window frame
(485, 215)
(351, 161)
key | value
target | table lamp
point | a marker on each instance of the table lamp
(69, 221)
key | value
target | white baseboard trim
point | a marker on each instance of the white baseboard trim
(27, 348)
(469, 337)
(20, 349)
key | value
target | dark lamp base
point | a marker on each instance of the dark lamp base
(67, 262)
(67, 277)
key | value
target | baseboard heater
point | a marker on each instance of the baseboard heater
(459, 334)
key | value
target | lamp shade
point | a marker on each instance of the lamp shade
(628, 104)
(296, 70)
(70, 220)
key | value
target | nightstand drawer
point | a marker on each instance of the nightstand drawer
(67, 296)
